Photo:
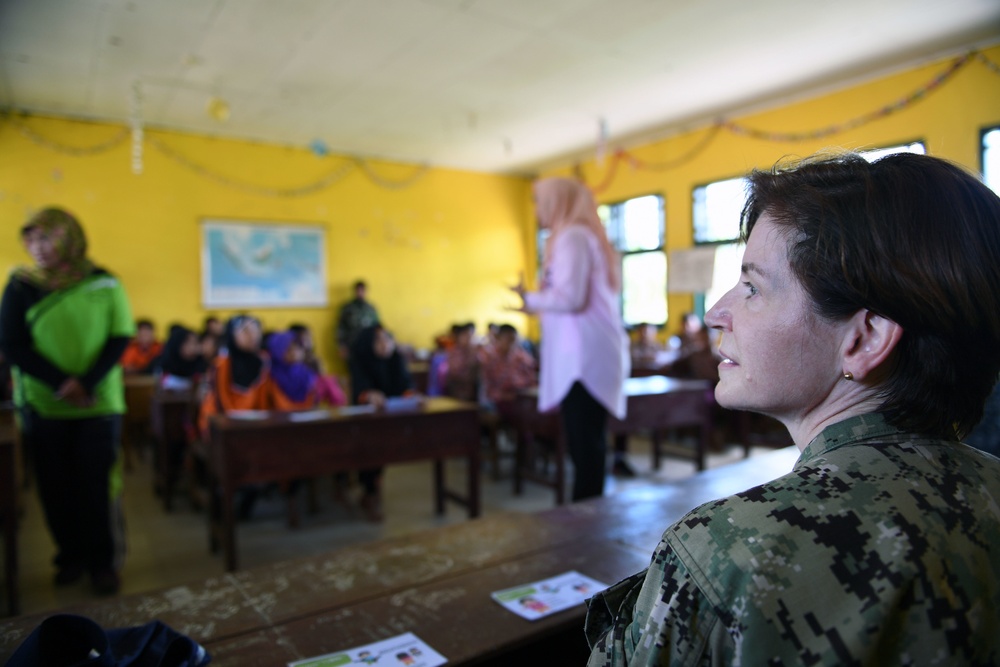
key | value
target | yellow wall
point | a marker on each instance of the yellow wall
(948, 121)
(441, 250)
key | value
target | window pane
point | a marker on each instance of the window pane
(717, 208)
(606, 214)
(915, 147)
(644, 288)
(726, 273)
(642, 224)
(991, 159)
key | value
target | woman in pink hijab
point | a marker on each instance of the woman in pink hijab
(584, 347)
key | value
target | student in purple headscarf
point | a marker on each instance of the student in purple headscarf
(295, 385)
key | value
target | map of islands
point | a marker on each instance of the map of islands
(254, 265)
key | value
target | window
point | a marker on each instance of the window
(635, 228)
(716, 218)
(991, 158)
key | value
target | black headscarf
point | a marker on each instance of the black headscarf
(171, 362)
(369, 371)
(246, 366)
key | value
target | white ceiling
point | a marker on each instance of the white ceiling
(490, 85)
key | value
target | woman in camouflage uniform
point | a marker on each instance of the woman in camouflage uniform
(867, 321)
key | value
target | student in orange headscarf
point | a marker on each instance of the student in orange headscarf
(239, 379)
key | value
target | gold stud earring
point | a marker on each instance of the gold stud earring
(848, 375)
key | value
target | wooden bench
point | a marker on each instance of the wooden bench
(436, 583)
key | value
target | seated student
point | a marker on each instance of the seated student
(866, 320)
(378, 372)
(506, 368)
(213, 326)
(294, 384)
(141, 350)
(461, 365)
(180, 367)
(180, 364)
(209, 344)
(304, 339)
(239, 378)
(646, 351)
(437, 365)
(696, 357)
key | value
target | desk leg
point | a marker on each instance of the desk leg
(439, 487)
(521, 449)
(473, 483)
(705, 438)
(10, 519)
(560, 455)
(228, 527)
(657, 455)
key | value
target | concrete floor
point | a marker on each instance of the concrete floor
(168, 549)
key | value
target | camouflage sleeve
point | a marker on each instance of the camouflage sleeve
(665, 620)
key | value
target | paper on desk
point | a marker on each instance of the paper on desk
(548, 596)
(406, 649)
(308, 415)
(248, 414)
(400, 403)
(356, 409)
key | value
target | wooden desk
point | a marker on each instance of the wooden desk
(135, 423)
(436, 583)
(9, 514)
(420, 375)
(655, 403)
(170, 411)
(282, 449)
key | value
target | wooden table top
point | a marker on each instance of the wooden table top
(435, 583)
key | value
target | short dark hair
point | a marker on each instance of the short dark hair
(912, 238)
(507, 328)
(360, 284)
(144, 324)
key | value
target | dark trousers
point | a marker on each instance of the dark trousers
(73, 460)
(584, 421)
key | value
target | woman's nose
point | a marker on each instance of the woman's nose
(718, 316)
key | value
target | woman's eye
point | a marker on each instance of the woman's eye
(751, 290)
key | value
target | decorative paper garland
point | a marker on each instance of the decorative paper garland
(351, 163)
(742, 130)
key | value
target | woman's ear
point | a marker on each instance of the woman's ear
(871, 341)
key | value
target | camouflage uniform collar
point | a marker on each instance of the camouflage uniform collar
(853, 431)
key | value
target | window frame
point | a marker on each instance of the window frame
(699, 298)
(982, 155)
(541, 236)
(622, 254)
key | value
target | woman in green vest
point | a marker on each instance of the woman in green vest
(64, 323)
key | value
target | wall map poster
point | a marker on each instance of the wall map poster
(246, 264)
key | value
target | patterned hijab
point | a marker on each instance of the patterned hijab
(561, 202)
(70, 244)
